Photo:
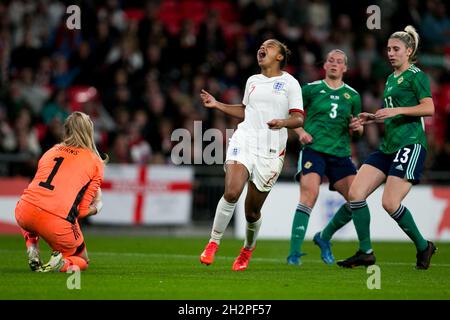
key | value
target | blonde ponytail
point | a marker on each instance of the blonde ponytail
(410, 38)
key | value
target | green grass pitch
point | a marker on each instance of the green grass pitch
(168, 268)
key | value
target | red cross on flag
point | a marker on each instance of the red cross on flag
(148, 195)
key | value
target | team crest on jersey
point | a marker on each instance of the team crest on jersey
(346, 95)
(308, 165)
(400, 80)
(278, 87)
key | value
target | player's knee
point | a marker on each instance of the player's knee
(232, 195)
(252, 216)
(309, 200)
(389, 204)
(83, 263)
(308, 196)
(86, 259)
(77, 267)
(354, 194)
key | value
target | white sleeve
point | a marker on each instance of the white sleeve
(245, 97)
(295, 97)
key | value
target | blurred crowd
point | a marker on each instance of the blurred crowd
(137, 68)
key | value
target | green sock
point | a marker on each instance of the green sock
(340, 219)
(361, 220)
(299, 226)
(406, 221)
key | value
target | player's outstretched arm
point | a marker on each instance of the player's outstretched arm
(295, 120)
(366, 118)
(234, 110)
(425, 108)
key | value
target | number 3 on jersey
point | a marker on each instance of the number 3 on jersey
(333, 112)
(48, 184)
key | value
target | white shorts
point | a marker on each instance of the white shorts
(263, 172)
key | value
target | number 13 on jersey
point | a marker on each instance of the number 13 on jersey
(388, 102)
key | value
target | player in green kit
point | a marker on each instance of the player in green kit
(400, 159)
(332, 108)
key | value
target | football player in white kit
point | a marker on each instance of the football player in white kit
(272, 103)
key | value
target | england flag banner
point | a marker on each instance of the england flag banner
(146, 195)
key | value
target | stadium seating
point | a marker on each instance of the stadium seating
(80, 94)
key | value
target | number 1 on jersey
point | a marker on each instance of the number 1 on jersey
(47, 184)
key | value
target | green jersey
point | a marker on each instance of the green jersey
(404, 90)
(328, 115)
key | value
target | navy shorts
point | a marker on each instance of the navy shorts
(407, 163)
(335, 168)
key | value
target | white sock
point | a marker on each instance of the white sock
(224, 212)
(252, 233)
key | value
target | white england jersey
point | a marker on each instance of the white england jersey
(266, 99)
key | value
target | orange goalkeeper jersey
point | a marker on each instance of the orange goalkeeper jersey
(66, 182)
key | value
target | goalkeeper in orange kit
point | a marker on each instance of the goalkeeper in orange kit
(66, 187)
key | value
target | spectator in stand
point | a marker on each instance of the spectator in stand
(25, 144)
(436, 26)
(120, 148)
(56, 107)
(110, 45)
